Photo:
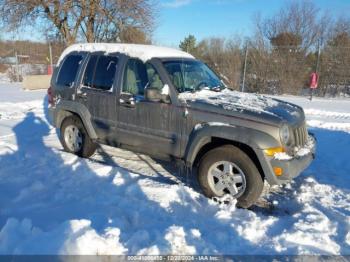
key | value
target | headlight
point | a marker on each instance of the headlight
(285, 134)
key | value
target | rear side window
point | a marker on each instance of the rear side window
(104, 73)
(100, 72)
(69, 70)
(89, 71)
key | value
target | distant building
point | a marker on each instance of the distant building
(11, 60)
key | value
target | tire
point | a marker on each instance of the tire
(245, 176)
(73, 125)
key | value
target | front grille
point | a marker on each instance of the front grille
(300, 136)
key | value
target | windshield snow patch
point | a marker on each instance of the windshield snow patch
(232, 100)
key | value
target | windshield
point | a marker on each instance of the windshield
(192, 75)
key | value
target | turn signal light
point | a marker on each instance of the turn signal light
(274, 150)
(278, 171)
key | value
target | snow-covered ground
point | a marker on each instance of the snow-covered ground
(117, 202)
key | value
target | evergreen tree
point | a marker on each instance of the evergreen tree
(188, 44)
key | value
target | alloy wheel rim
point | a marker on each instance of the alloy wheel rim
(225, 177)
(73, 138)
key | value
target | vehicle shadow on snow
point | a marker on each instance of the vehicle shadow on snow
(170, 172)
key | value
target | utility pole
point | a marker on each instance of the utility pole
(50, 50)
(17, 67)
(318, 56)
(245, 67)
(317, 66)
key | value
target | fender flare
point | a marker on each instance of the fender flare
(203, 135)
(66, 108)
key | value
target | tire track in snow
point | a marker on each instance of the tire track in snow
(329, 125)
(321, 119)
(324, 113)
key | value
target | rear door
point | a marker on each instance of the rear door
(97, 93)
(145, 126)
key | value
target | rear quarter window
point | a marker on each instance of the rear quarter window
(69, 70)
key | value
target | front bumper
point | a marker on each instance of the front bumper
(291, 167)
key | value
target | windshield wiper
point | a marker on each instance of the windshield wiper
(217, 88)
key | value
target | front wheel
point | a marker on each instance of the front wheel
(228, 170)
(75, 139)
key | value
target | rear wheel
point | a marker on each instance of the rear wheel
(75, 139)
(228, 170)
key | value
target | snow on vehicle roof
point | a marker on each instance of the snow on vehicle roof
(143, 52)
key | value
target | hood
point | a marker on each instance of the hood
(246, 105)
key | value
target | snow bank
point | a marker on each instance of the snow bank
(71, 237)
(176, 237)
(18, 110)
(118, 202)
(4, 78)
(232, 100)
(143, 52)
(325, 113)
(340, 126)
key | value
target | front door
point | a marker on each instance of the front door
(150, 127)
(98, 95)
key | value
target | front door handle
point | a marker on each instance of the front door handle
(127, 103)
(83, 96)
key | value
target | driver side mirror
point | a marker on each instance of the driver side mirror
(155, 95)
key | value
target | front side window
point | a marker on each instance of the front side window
(192, 75)
(138, 76)
(69, 70)
(154, 80)
(135, 77)
(100, 72)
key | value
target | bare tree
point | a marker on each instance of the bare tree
(224, 56)
(134, 35)
(285, 46)
(300, 19)
(335, 62)
(87, 20)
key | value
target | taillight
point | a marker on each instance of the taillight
(50, 96)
